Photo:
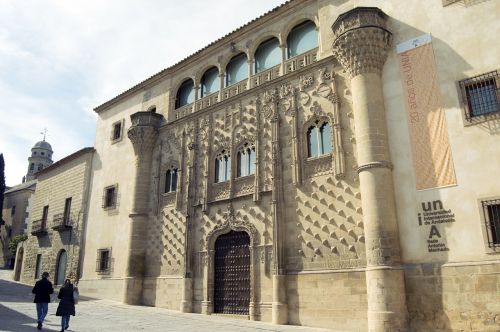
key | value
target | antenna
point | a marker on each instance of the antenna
(44, 133)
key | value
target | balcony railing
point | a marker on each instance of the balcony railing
(301, 61)
(234, 89)
(60, 222)
(39, 227)
(291, 65)
(266, 76)
(207, 101)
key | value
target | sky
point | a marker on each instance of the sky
(59, 59)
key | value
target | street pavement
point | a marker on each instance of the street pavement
(18, 313)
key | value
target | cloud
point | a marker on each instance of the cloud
(59, 59)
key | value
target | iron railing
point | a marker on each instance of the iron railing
(480, 95)
(491, 209)
(62, 222)
(39, 227)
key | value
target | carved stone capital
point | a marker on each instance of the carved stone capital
(144, 131)
(361, 40)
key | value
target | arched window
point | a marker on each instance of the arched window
(40, 167)
(319, 139)
(61, 267)
(210, 82)
(222, 166)
(171, 180)
(32, 166)
(268, 55)
(302, 38)
(246, 160)
(185, 94)
(237, 69)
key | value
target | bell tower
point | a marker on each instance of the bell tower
(41, 157)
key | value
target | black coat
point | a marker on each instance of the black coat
(67, 304)
(42, 290)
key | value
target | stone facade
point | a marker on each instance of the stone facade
(334, 238)
(15, 213)
(62, 190)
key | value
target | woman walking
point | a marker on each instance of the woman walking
(66, 305)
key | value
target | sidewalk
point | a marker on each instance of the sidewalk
(18, 313)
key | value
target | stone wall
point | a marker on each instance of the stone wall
(454, 297)
(336, 300)
(69, 179)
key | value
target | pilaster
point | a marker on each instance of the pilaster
(361, 43)
(142, 134)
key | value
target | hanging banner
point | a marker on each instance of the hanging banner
(431, 151)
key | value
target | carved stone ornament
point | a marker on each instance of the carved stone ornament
(361, 40)
(231, 222)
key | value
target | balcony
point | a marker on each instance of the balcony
(39, 227)
(291, 65)
(60, 222)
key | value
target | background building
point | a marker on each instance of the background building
(328, 164)
(58, 219)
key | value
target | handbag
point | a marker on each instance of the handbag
(76, 295)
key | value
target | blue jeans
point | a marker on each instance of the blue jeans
(64, 322)
(41, 311)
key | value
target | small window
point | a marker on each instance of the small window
(491, 211)
(109, 197)
(268, 55)
(42, 153)
(32, 166)
(302, 38)
(34, 153)
(103, 264)
(237, 69)
(171, 180)
(246, 160)
(13, 211)
(38, 266)
(185, 94)
(210, 82)
(319, 139)
(40, 167)
(480, 95)
(117, 131)
(67, 211)
(222, 166)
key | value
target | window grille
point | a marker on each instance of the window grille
(109, 197)
(480, 95)
(491, 210)
(104, 261)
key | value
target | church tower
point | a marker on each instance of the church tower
(41, 157)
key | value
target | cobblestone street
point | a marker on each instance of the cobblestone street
(18, 313)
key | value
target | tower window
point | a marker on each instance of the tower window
(42, 153)
(40, 167)
(32, 166)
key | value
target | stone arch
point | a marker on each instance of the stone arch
(201, 71)
(224, 60)
(262, 38)
(231, 223)
(297, 20)
(60, 275)
(18, 265)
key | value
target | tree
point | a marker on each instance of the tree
(2, 186)
(14, 241)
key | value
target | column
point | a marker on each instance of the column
(279, 304)
(142, 134)
(361, 43)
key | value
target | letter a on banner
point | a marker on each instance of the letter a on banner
(431, 151)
